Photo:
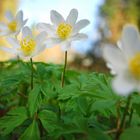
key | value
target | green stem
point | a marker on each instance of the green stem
(130, 116)
(32, 74)
(122, 125)
(64, 70)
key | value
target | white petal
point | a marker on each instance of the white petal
(79, 25)
(38, 50)
(56, 18)
(9, 16)
(19, 16)
(72, 17)
(130, 40)
(123, 85)
(9, 50)
(46, 27)
(115, 58)
(13, 42)
(51, 42)
(65, 45)
(41, 38)
(78, 36)
(24, 22)
(26, 32)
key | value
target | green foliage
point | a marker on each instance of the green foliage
(84, 109)
(49, 120)
(34, 100)
(31, 133)
(13, 119)
(131, 133)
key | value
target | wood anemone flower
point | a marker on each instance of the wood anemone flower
(125, 61)
(14, 24)
(62, 32)
(29, 45)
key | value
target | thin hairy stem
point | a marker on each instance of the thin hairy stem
(123, 121)
(32, 73)
(64, 70)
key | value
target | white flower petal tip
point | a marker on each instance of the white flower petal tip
(72, 17)
(80, 25)
(130, 39)
(79, 36)
(56, 18)
(19, 15)
(130, 33)
(26, 31)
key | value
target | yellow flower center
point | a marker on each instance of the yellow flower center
(27, 46)
(12, 26)
(134, 66)
(64, 30)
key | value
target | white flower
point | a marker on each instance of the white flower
(125, 61)
(63, 32)
(14, 24)
(28, 45)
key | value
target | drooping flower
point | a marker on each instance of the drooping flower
(63, 32)
(125, 61)
(13, 25)
(29, 45)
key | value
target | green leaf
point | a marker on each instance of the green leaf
(95, 134)
(48, 120)
(104, 106)
(131, 134)
(34, 100)
(13, 119)
(31, 133)
(83, 105)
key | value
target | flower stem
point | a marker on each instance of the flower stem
(64, 70)
(122, 125)
(130, 116)
(31, 73)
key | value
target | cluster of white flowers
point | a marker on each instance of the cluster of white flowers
(123, 61)
(62, 32)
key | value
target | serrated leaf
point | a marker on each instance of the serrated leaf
(83, 105)
(48, 120)
(31, 133)
(34, 100)
(13, 119)
(103, 106)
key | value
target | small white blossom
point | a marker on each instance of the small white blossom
(63, 32)
(13, 25)
(28, 46)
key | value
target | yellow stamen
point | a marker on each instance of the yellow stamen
(134, 66)
(27, 46)
(64, 30)
(12, 26)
